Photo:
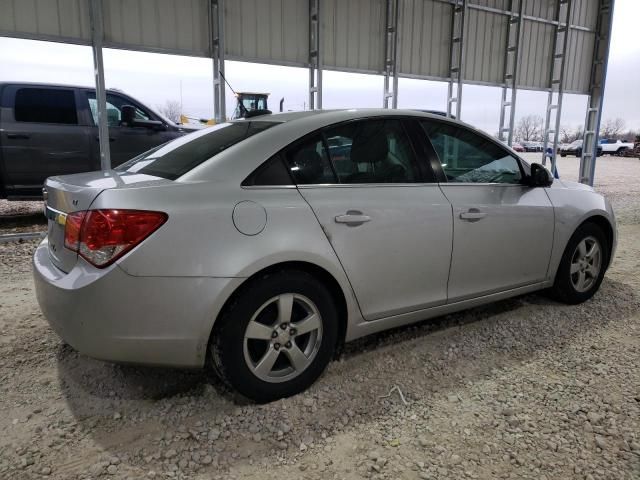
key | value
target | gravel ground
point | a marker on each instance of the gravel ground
(21, 217)
(524, 388)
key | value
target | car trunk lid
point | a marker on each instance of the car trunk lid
(72, 193)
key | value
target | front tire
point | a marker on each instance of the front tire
(582, 266)
(276, 337)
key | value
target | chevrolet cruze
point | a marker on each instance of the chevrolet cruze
(256, 247)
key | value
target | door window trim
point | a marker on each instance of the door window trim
(423, 173)
(128, 101)
(442, 176)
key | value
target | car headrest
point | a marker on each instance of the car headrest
(309, 163)
(369, 148)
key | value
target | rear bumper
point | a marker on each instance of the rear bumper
(111, 315)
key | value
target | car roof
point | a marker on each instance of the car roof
(325, 117)
(239, 160)
(56, 85)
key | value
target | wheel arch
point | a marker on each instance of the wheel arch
(313, 269)
(605, 225)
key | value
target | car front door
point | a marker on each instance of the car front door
(126, 141)
(41, 137)
(502, 228)
(387, 220)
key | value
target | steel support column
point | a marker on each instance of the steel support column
(511, 57)
(456, 58)
(391, 55)
(216, 20)
(556, 81)
(315, 62)
(596, 92)
(97, 35)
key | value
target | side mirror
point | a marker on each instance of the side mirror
(540, 176)
(128, 115)
(128, 118)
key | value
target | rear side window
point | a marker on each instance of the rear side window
(272, 172)
(176, 158)
(46, 105)
(309, 163)
(371, 151)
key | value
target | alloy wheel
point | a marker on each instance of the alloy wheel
(586, 263)
(282, 338)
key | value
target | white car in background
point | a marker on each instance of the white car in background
(614, 147)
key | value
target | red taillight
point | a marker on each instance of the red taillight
(72, 230)
(106, 235)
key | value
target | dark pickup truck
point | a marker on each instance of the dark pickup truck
(50, 130)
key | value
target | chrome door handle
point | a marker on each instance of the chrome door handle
(473, 215)
(353, 218)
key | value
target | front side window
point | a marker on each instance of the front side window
(114, 109)
(46, 105)
(468, 157)
(309, 163)
(179, 156)
(371, 151)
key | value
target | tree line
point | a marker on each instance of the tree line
(530, 128)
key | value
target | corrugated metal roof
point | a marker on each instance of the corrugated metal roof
(162, 25)
(352, 33)
(65, 19)
(424, 38)
(270, 31)
(534, 64)
(485, 37)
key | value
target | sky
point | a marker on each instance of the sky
(156, 78)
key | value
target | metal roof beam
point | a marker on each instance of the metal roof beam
(391, 55)
(596, 92)
(97, 35)
(216, 27)
(512, 50)
(315, 62)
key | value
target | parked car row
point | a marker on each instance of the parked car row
(575, 148)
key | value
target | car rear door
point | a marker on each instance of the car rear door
(42, 136)
(387, 220)
(502, 228)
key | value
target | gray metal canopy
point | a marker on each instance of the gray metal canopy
(557, 46)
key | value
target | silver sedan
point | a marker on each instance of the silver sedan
(257, 247)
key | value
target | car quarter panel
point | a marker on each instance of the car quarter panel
(200, 238)
(573, 204)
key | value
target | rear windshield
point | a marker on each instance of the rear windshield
(176, 158)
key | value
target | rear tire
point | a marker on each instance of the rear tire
(276, 337)
(582, 266)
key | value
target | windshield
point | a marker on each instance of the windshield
(176, 158)
(576, 143)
